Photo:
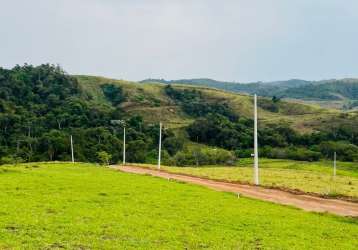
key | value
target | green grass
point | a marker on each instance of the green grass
(315, 177)
(81, 206)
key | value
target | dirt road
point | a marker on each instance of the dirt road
(305, 202)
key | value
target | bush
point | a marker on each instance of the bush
(152, 157)
(345, 151)
(293, 153)
(137, 151)
(184, 159)
(244, 153)
(173, 145)
(199, 156)
(7, 160)
(270, 105)
(113, 93)
(104, 157)
(10, 160)
(302, 154)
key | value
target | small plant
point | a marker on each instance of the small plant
(104, 157)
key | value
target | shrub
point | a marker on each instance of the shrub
(113, 93)
(293, 153)
(152, 157)
(302, 154)
(199, 156)
(345, 151)
(184, 159)
(173, 144)
(244, 153)
(138, 151)
(10, 160)
(104, 157)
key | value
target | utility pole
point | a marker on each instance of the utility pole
(160, 145)
(256, 153)
(124, 145)
(72, 155)
(334, 164)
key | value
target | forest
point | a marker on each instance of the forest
(42, 106)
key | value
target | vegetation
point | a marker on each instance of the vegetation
(198, 155)
(315, 177)
(81, 206)
(42, 106)
(299, 89)
(104, 157)
(219, 126)
(330, 90)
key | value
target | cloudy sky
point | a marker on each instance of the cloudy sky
(233, 40)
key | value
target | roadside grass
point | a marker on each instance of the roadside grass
(313, 177)
(84, 206)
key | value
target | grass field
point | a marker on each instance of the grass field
(315, 177)
(82, 206)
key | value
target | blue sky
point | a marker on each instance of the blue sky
(233, 40)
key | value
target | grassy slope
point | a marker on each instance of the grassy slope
(313, 177)
(150, 101)
(82, 207)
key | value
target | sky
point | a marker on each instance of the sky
(231, 40)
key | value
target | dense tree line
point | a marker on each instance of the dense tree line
(40, 107)
(217, 126)
(276, 141)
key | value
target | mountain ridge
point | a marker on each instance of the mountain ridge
(344, 90)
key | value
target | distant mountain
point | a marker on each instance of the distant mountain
(260, 88)
(343, 89)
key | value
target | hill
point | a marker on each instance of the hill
(344, 91)
(42, 106)
(260, 88)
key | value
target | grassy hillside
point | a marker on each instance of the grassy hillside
(81, 206)
(343, 92)
(150, 101)
(260, 88)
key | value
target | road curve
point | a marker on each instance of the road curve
(305, 202)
